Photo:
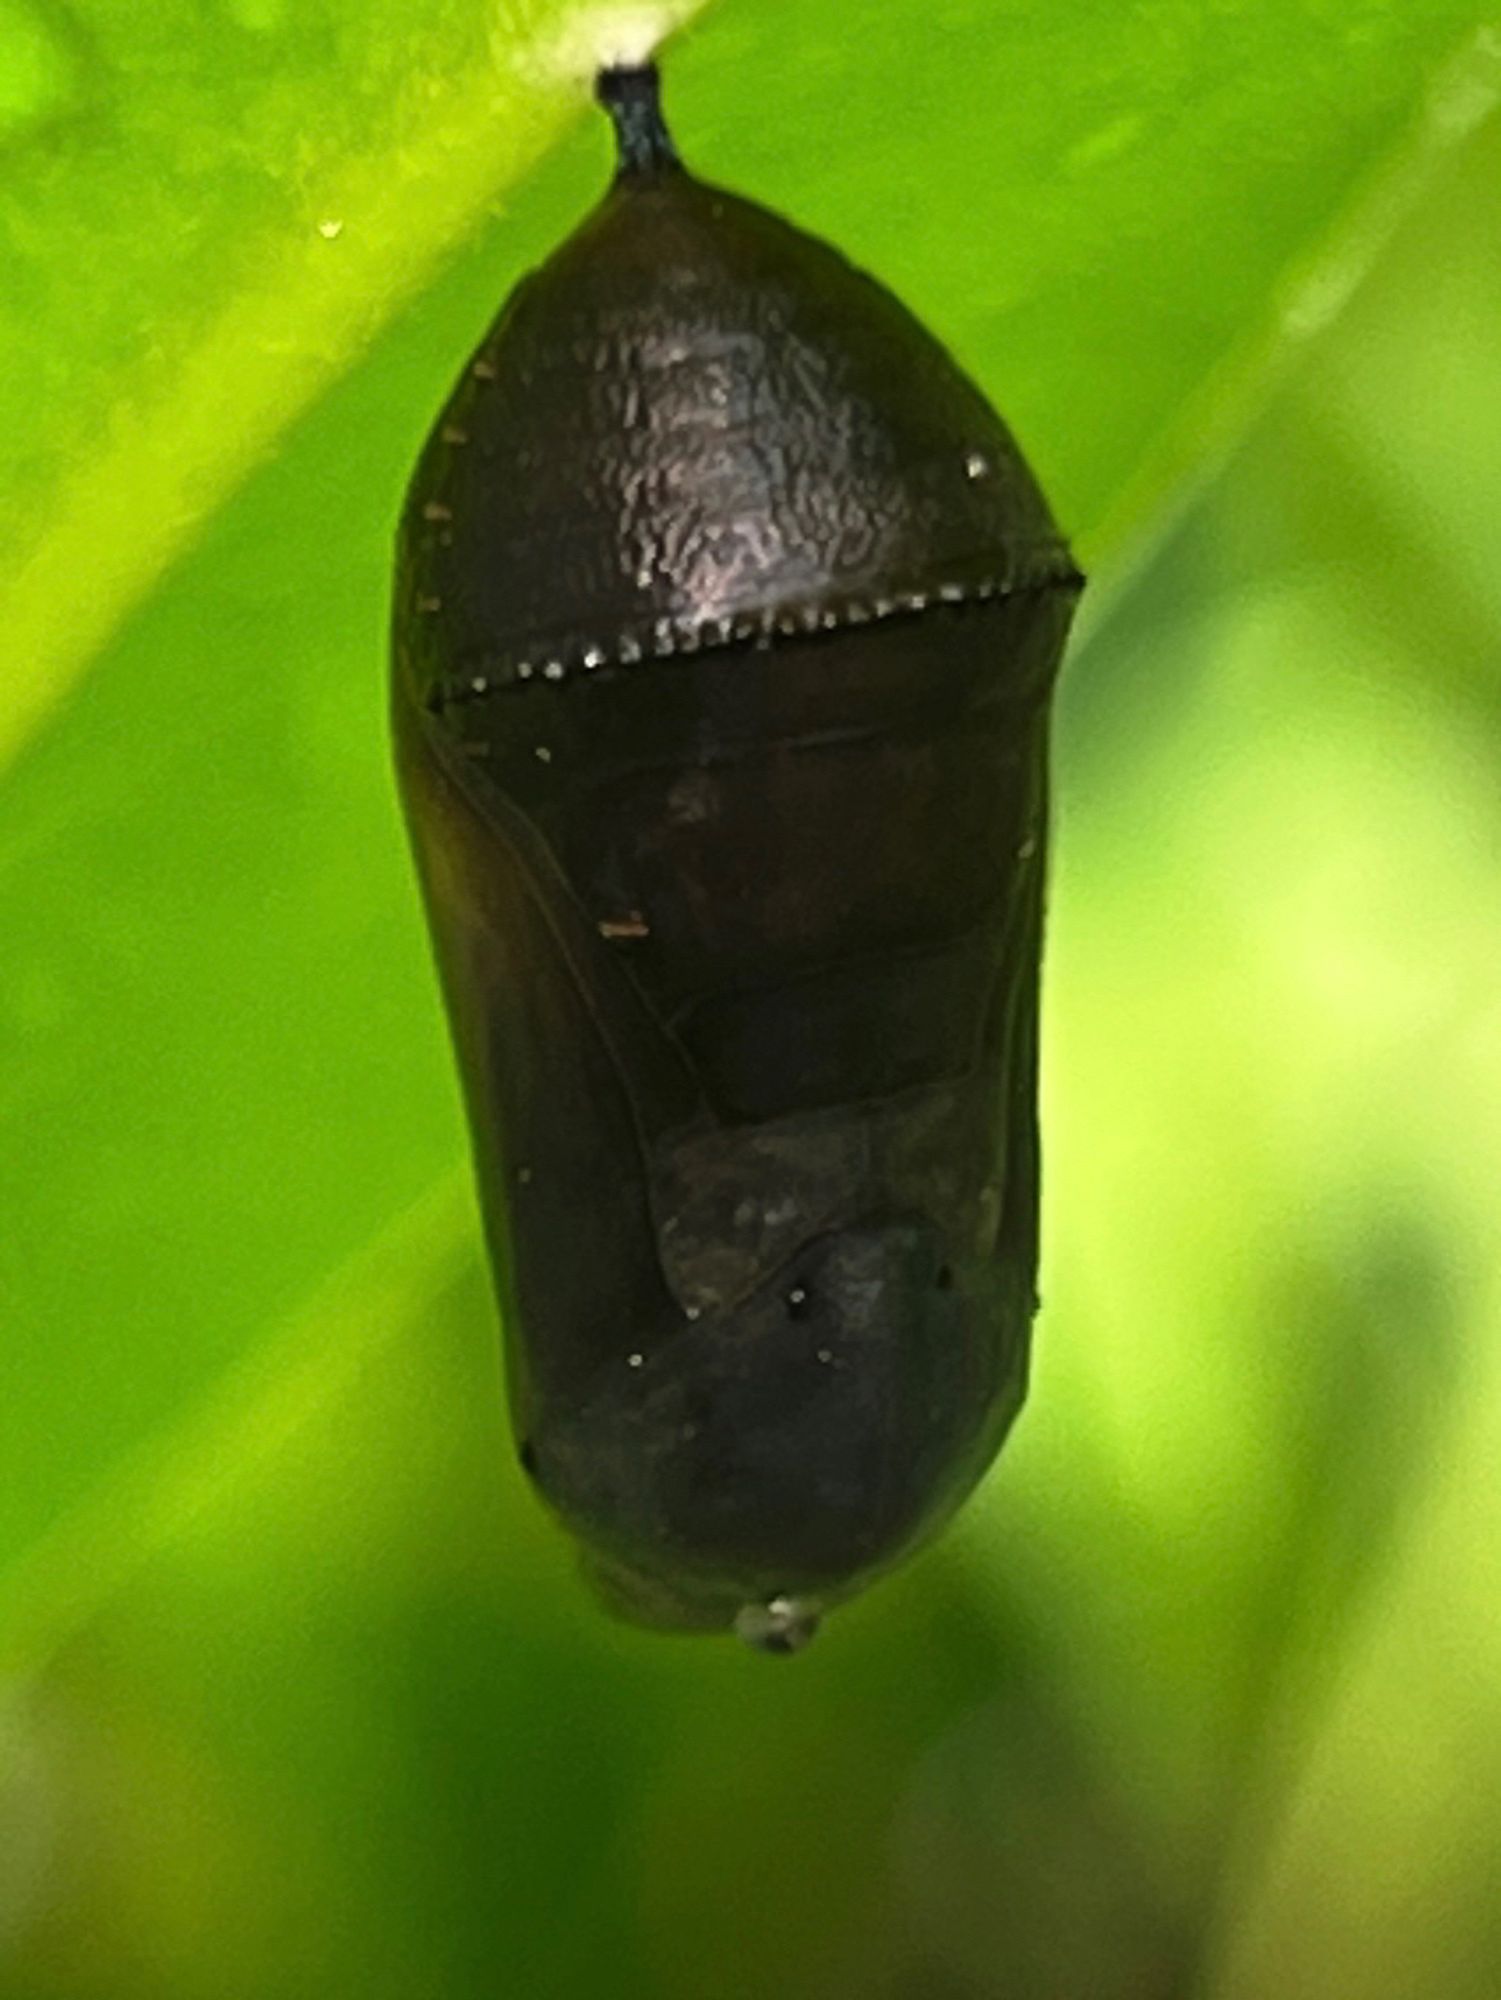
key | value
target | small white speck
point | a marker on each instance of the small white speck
(553, 671)
(826, 1355)
(483, 371)
(976, 465)
(1027, 849)
(479, 684)
(329, 229)
(692, 1312)
(635, 1361)
(797, 1296)
(436, 511)
(593, 657)
(643, 577)
(543, 754)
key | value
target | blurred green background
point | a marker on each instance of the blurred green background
(298, 1694)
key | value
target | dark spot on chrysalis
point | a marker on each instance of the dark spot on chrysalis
(745, 966)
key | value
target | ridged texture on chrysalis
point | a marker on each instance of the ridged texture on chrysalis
(727, 619)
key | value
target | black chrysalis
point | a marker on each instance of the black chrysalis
(727, 619)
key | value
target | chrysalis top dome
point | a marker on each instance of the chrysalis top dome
(695, 423)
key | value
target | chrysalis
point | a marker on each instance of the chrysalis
(727, 619)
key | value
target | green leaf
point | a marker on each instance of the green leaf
(228, 1066)
(305, 1682)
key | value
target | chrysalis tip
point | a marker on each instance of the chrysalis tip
(632, 94)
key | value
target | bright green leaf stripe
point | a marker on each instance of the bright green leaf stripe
(348, 247)
(1315, 289)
